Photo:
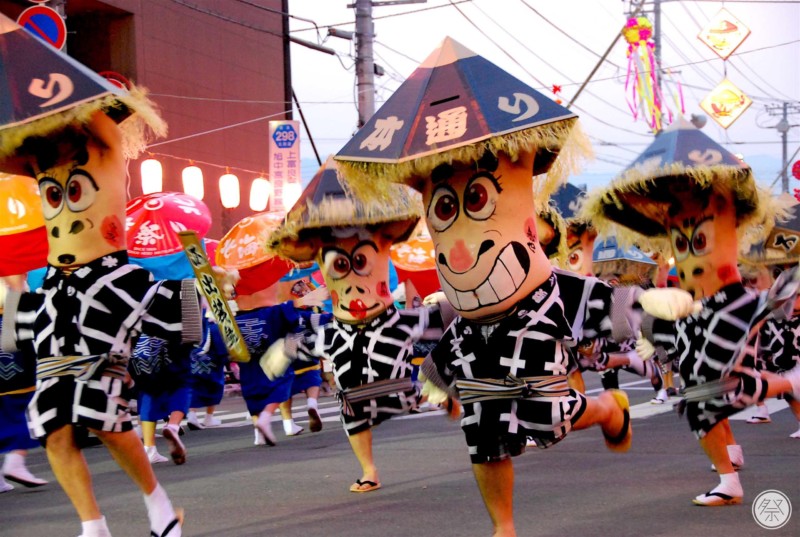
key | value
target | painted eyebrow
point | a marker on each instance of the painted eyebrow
(84, 173)
(366, 243)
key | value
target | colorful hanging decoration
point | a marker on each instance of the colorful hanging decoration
(642, 84)
(725, 103)
(724, 33)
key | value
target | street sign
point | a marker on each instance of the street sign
(796, 170)
(284, 160)
(285, 136)
(46, 24)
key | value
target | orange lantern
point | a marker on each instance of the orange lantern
(23, 238)
(243, 248)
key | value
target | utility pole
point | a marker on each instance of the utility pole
(783, 126)
(365, 63)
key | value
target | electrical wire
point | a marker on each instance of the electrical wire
(226, 18)
(569, 36)
(218, 129)
(586, 112)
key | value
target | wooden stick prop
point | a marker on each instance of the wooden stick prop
(216, 301)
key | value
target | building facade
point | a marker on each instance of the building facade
(218, 69)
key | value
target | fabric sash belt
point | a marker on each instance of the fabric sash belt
(706, 391)
(511, 387)
(371, 391)
(82, 367)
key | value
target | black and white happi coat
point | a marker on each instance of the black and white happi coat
(380, 350)
(717, 344)
(533, 341)
(779, 344)
(82, 326)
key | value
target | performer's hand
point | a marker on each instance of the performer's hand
(274, 362)
(644, 348)
(226, 281)
(667, 304)
(435, 395)
(453, 409)
(440, 299)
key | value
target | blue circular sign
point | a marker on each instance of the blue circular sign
(285, 136)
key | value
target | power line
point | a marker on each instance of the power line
(543, 61)
(226, 18)
(568, 35)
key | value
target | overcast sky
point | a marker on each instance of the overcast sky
(559, 42)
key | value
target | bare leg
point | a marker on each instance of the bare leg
(72, 472)
(715, 444)
(575, 381)
(286, 409)
(148, 433)
(496, 484)
(776, 384)
(608, 411)
(362, 447)
(126, 448)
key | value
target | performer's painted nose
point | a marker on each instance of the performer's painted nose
(460, 259)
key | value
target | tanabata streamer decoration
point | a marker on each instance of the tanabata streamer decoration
(642, 84)
(23, 238)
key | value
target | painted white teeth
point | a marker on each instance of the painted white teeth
(486, 294)
(449, 292)
(509, 259)
(467, 300)
(501, 281)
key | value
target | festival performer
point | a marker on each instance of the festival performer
(161, 372)
(82, 322)
(17, 384)
(690, 190)
(778, 339)
(471, 143)
(369, 342)
(263, 320)
(208, 382)
(307, 377)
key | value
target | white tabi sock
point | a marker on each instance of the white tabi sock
(312, 403)
(95, 528)
(159, 509)
(729, 484)
(288, 426)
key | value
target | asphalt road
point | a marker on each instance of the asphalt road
(229, 487)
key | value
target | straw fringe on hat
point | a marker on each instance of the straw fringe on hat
(326, 204)
(556, 250)
(680, 153)
(143, 123)
(566, 139)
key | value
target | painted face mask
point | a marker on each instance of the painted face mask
(356, 271)
(483, 225)
(580, 244)
(83, 198)
(702, 232)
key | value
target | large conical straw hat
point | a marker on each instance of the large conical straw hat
(326, 203)
(454, 107)
(42, 90)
